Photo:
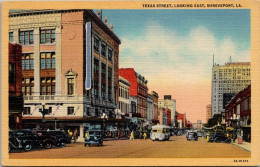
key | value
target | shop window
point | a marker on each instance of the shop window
(47, 36)
(27, 61)
(110, 54)
(70, 110)
(96, 66)
(26, 37)
(48, 60)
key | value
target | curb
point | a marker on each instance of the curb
(242, 148)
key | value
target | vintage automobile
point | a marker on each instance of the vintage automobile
(94, 137)
(22, 139)
(199, 133)
(218, 137)
(61, 137)
(192, 136)
(45, 138)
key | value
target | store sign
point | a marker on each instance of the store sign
(88, 56)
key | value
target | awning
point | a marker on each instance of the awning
(229, 128)
(246, 126)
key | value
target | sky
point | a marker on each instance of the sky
(174, 50)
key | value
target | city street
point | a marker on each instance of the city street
(177, 147)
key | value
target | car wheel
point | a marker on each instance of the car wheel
(63, 144)
(28, 147)
(47, 145)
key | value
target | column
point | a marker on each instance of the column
(37, 64)
(16, 36)
(100, 70)
(92, 66)
(107, 73)
(58, 61)
(113, 92)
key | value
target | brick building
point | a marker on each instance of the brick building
(168, 113)
(15, 86)
(238, 113)
(162, 116)
(155, 108)
(69, 67)
(137, 89)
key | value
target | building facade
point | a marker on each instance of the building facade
(138, 89)
(168, 113)
(169, 103)
(15, 86)
(238, 113)
(149, 108)
(227, 80)
(208, 112)
(69, 67)
(124, 96)
(162, 116)
(155, 108)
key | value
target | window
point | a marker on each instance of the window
(47, 36)
(26, 37)
(103, 50)
(109, 73)
(11, 73)
(48, 60)
(11, 36)
(96, 44)
(70, 110)
(96, 87)
(109, 93)
(70, 86)
(103, 74)
(28, 86)
(27, 111)
(96, 66)
(110, 54)
(48, 86)
(27, 61)
(103, 90)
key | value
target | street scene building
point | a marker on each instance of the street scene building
(208, 112)
(155, 108)
(162, 116)
(169, 103)
(227, 80)
(15, 85)
(124, 96)
(69, 66)
(238, 114)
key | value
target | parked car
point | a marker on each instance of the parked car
(199, 134)
(94, 137)
(22, 139)
(192, 136)
(218, 137)
(61, 137)
(45, 138)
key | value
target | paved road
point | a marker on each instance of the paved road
(176, 147)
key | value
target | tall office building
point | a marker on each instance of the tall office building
(169, 103)
(208, 112)
(69, 67)
(227, 80)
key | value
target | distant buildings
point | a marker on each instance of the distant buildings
(155, 97)
(138, 89)
(227, 80)
(208, 112)
(169, 103)
(238, 113)
(181, 120)
(162, 116)
(15, 86)
(199, 124)
(124, 96)
(149, 108)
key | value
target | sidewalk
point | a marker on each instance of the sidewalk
(245, 146)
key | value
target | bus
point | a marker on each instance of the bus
(160, 132)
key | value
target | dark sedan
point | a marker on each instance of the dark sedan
(23, 139)
(45, 138)
(61, 136)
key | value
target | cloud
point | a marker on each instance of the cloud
(178, 64)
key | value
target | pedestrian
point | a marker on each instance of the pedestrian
(145, 135)
(132, 136)
(75, 135)
(86, 134)
(70, 134)
(207, 137)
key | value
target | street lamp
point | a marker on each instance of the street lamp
(44, 112)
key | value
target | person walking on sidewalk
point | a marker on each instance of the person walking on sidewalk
(132, 136)
(145, 135)
(75, 135)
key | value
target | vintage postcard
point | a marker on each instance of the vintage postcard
(130, 83)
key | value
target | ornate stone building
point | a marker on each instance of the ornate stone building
(69, 67)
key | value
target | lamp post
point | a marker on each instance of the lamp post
(43, 111)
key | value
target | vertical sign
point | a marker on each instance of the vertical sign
(88, 56)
